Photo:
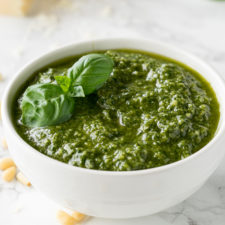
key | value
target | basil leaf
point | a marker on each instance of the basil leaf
(76, 91)
(45, 105)
(64, 82)
(90, 72)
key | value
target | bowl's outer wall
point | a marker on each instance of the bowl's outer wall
(115, 195)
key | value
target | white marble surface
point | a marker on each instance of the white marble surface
(197, 26)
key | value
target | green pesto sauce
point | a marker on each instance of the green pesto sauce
(152, 111)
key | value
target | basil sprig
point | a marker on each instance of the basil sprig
(51, 104)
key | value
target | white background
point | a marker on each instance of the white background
(197, 26)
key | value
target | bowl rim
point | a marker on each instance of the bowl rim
(8, 122)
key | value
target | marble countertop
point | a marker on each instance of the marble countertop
(197, 26)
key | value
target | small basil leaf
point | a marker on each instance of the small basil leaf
(76, 91)
(46, 105)
(64, 82)
(91, 71)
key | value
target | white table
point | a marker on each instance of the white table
(197, 26)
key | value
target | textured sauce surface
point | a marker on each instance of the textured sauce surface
(152, 111)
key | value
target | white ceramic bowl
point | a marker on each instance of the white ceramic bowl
(115, 194)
